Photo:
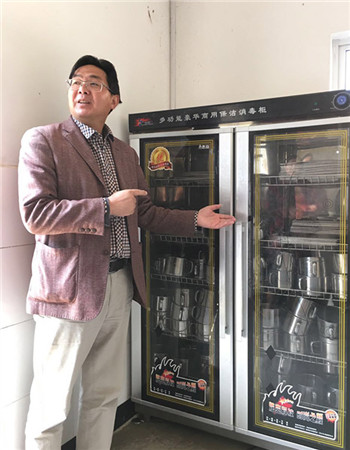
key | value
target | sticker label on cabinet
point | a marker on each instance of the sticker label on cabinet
(166, 380)
(282, 407)
(160, 159)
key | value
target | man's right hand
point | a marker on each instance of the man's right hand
(123, 203)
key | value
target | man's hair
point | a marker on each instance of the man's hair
(103, 64)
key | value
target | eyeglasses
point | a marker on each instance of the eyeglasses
(95, 86)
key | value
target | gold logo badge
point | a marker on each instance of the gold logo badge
(160, 159)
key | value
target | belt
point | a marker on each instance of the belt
(117, 264)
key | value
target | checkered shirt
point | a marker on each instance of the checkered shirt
(101, 149)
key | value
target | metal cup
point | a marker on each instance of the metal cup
(339, 283)
(161, 303)
(312, 285)
(270, 317)
(182, 297)
(179, 317)
(282, 279)
(178, 266)
(295, 325)
(199, 269)
(330, 348)
(284, 261)
(162, 306)
(303, 308)
(311, 388)
(200, 266)
(331, 368)
(200, 305)
(312, 266)
(295, 343)
(328, 322)
(269, 338)
(332, 396)
(340, 263)
(180, 313)
(201, 298)
(159, 264)
(263, 269)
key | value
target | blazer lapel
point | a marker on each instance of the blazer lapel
(74, 136)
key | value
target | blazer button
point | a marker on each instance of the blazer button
(82, 230)
(88, 230)
(93, 230)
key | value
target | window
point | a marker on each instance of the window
(340, 61)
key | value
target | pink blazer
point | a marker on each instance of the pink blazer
(60, 196)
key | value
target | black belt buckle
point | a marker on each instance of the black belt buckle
(117, 264)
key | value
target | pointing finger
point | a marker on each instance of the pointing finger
(138, 192)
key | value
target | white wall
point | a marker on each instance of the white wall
(41, 42)
(224, 52)
(234, 51)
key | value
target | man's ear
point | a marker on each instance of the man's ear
(115, 101)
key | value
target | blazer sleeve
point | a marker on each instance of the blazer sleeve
(42, 209)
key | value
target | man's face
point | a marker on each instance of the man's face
(91, 107)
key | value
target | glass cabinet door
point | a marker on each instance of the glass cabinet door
(299, 303)
(179, 337)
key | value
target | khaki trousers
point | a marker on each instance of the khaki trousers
(98, 348)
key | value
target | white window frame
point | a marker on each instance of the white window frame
(340, 61)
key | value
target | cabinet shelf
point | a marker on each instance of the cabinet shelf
(303, 357)
(181, 181)
(313, 244)
(190, 337)
(185, 280)
(200, 239)
(312, 180)
(323, 296)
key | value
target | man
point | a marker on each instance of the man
(83, 194)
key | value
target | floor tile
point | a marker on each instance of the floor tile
(157, 434)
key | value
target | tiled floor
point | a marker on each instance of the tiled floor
(157, 434)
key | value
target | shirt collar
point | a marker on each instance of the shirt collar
(87, 131)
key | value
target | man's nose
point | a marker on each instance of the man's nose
(83, 89)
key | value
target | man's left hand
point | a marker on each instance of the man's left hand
(207, 218)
